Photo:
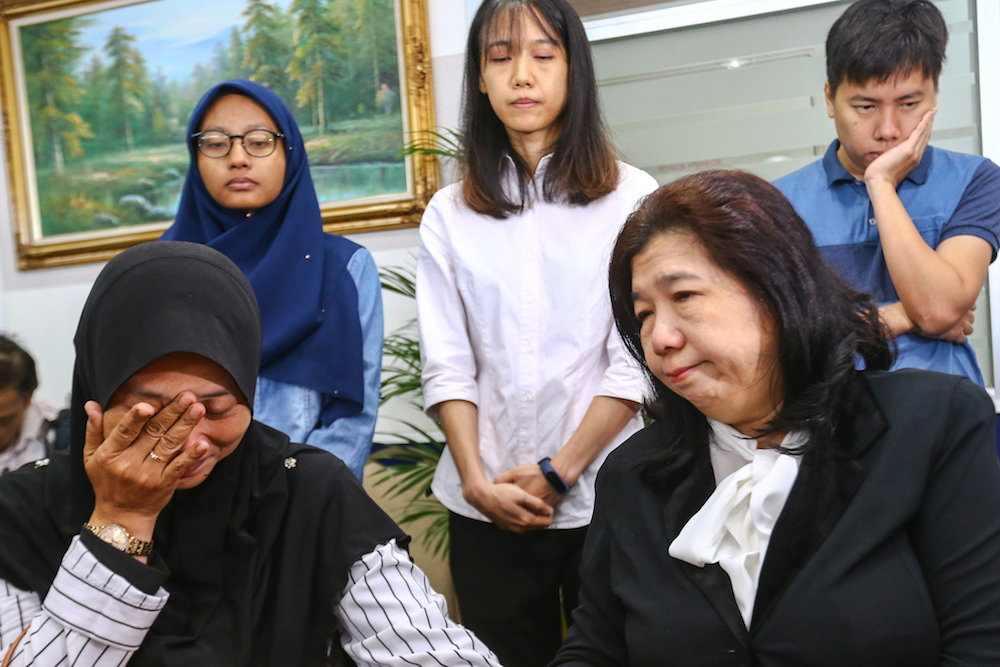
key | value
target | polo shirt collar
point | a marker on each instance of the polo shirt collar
(835, 172)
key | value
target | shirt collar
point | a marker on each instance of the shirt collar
(728, 438)
(835, 172)
(510, 179)
(542, 165)
(539, 170)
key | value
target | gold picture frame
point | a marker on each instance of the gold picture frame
(412, 108)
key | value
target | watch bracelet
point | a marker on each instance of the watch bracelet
(135, 547)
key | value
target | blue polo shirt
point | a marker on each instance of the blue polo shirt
(947, 194)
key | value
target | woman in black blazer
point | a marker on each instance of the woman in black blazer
(784, 509)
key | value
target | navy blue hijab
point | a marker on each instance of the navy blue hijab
(308, 300)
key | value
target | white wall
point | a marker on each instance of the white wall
(42, 307)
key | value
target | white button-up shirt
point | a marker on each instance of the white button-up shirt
(515, 317)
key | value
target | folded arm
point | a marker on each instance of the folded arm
(897, 322)
(937, 287)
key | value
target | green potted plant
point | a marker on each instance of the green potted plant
(408, 460)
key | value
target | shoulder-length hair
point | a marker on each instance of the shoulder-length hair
(750, 231)
(582, 167)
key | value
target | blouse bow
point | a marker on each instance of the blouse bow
(734, 525)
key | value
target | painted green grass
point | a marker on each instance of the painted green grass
(378, 139)
(110, 191)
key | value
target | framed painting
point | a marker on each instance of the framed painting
(96, 99)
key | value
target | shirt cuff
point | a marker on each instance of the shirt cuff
(89, 597)
(147, 578)
(626, 389)
(972, 230)
(435, 395)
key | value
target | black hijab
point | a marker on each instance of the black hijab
(259, 551)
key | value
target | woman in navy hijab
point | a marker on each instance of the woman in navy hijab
(249, 195)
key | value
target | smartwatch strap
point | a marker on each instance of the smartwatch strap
(554, 479)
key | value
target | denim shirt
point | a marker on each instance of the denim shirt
(295, 410)
(947, 194)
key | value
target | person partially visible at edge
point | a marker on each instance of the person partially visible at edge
(915, 225)
(177, 530)
(521, 363)
(249, 195)
(784, 508)
(26, 423)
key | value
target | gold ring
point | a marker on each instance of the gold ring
(153, 456)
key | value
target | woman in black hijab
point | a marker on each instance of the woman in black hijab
(207, 538)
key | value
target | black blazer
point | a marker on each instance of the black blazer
(887, 551)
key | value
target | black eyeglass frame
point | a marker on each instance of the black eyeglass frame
(195, 138)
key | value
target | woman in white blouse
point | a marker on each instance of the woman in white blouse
(785, 508)
(178, 531)
(520, 360)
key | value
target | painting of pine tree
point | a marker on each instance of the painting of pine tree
(109, 95)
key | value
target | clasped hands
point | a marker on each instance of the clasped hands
(518, 500)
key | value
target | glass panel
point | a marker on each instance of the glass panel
(748, 94)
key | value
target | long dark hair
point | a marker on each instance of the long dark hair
(750, 231)
(583, 167)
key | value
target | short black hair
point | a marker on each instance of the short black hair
(877, 40)
(17, 368)
(750, 231)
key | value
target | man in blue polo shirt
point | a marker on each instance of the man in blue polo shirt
(915, 225)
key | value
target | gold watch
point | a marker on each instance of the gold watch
(120, 539)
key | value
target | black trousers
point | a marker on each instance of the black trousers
(510, 587)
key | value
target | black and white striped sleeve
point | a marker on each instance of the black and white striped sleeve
(91, 617)
(17, 609)
(390, 615)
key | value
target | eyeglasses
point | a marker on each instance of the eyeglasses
(256, 143)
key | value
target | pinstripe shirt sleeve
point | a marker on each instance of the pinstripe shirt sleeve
(390, 616)
(91, 617)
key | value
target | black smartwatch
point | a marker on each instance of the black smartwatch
(554, 479)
